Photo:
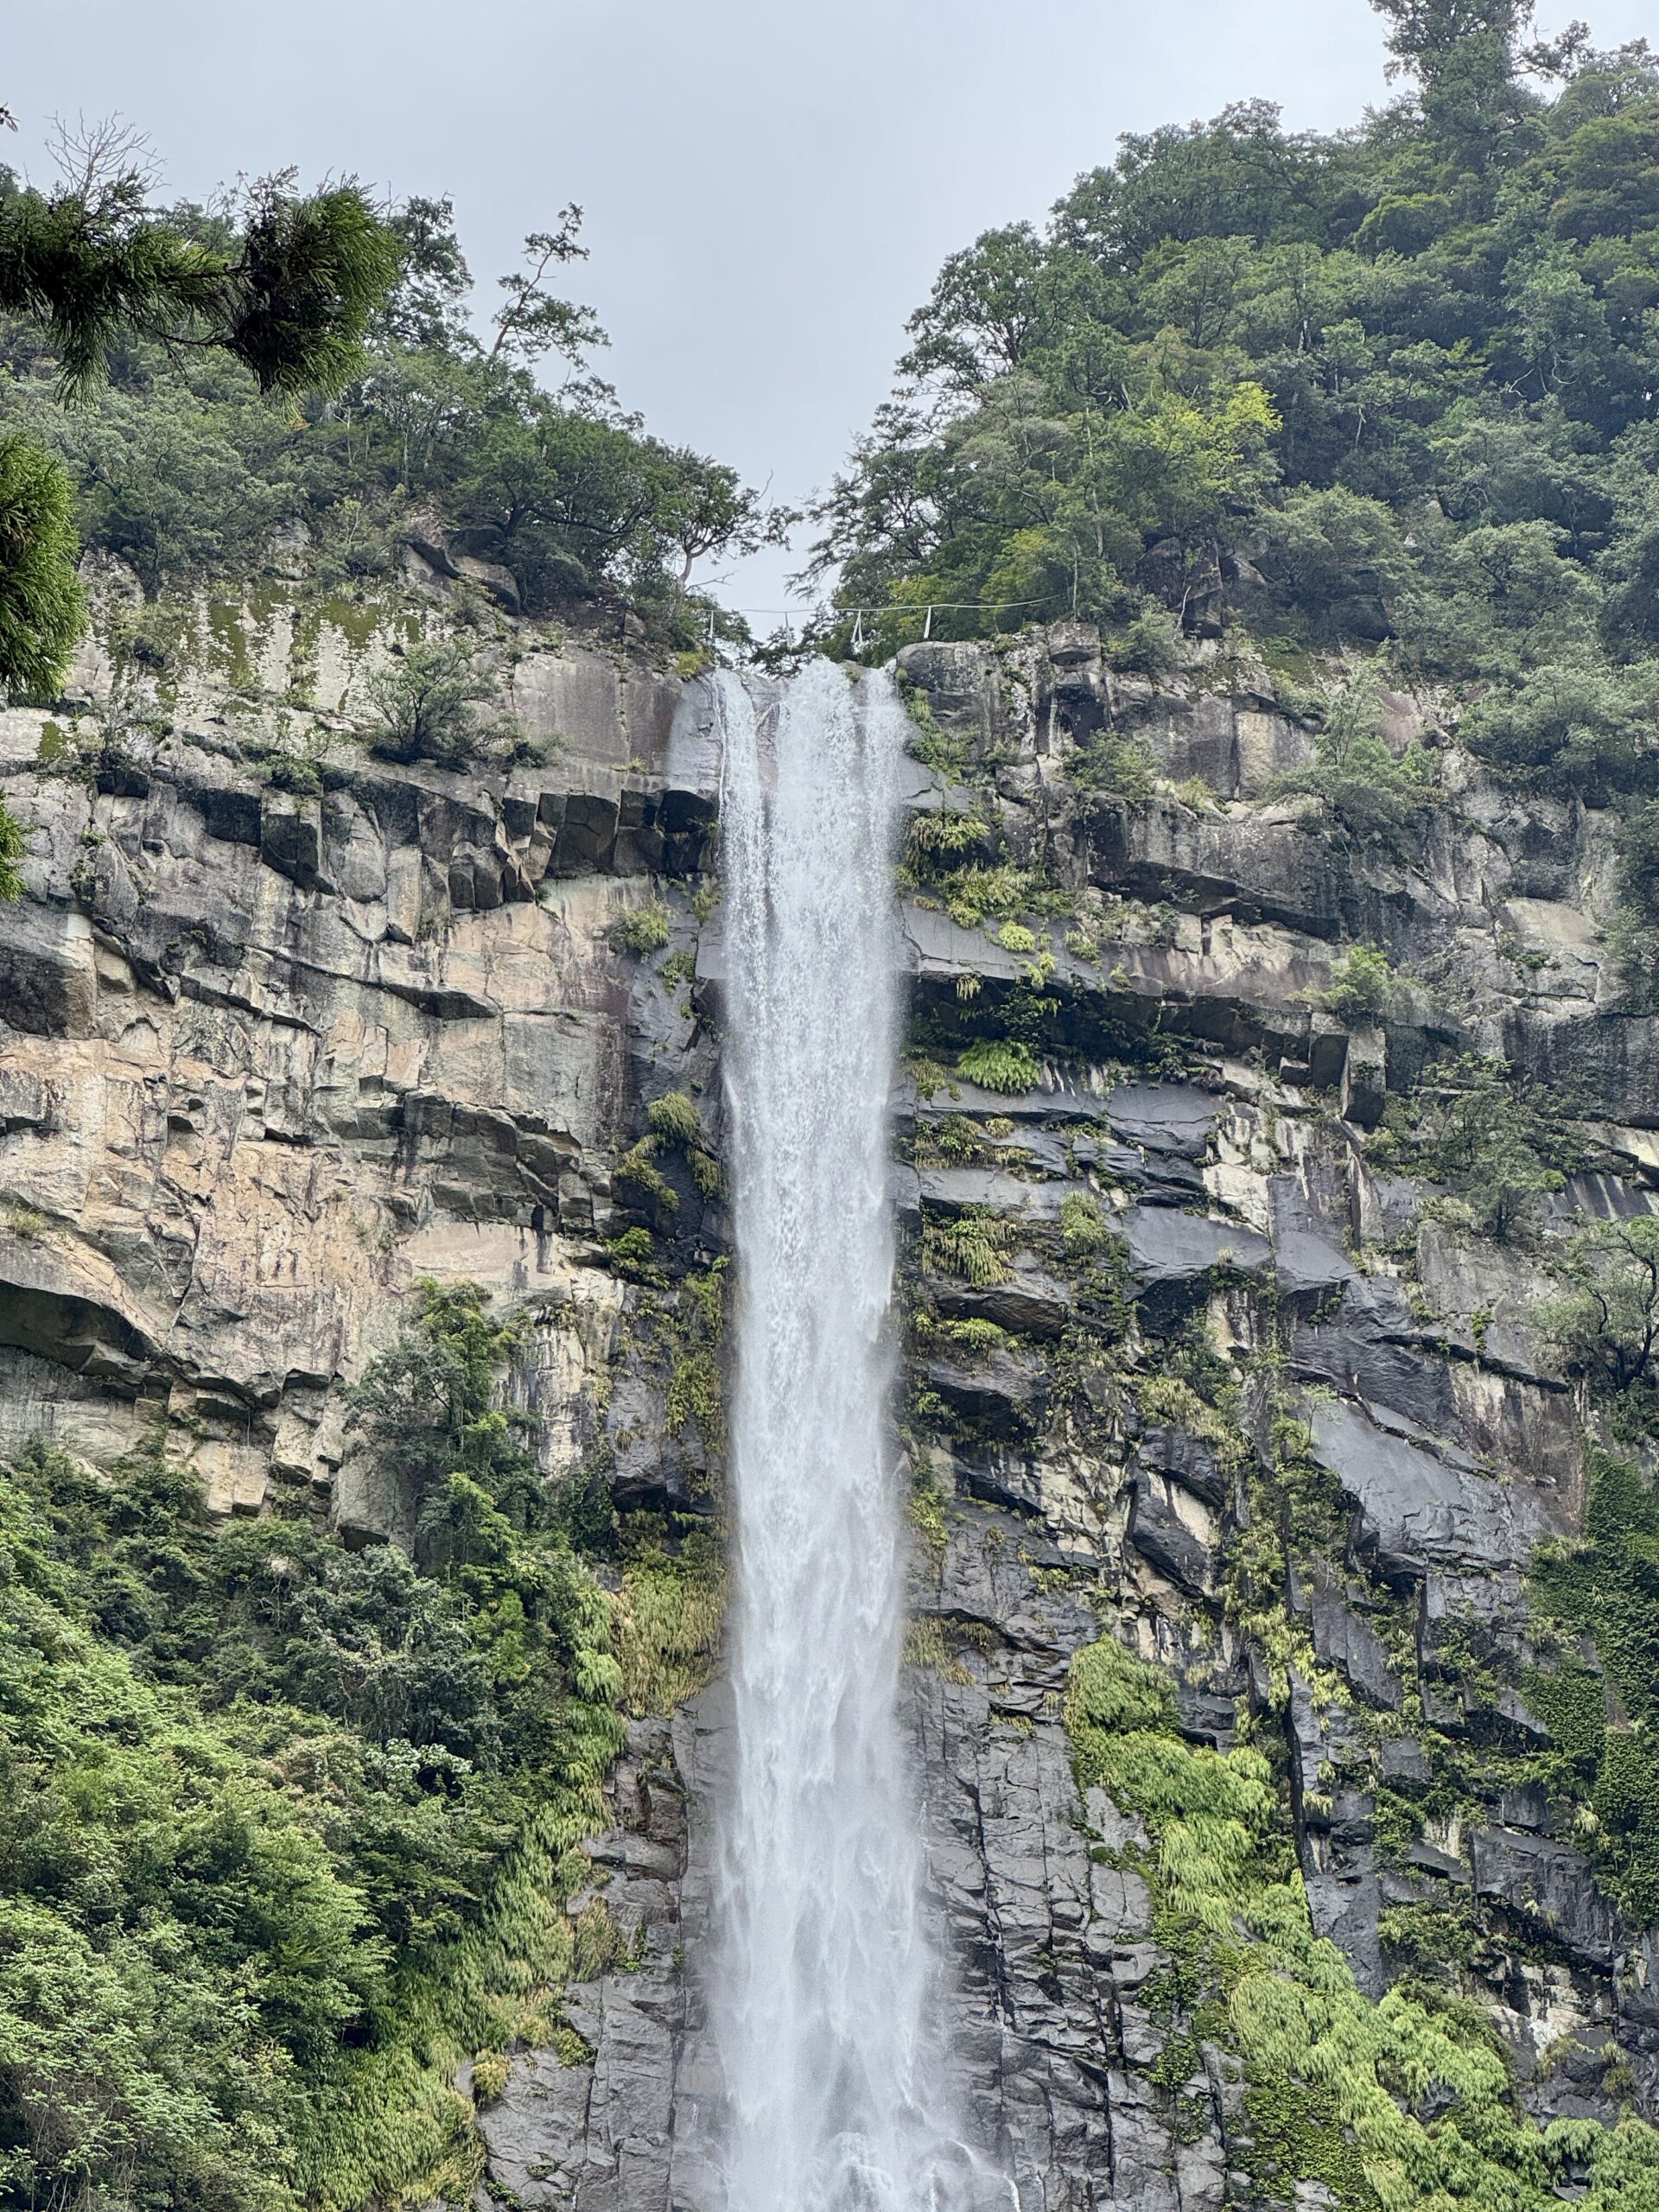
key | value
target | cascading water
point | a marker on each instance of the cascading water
(825, 1992)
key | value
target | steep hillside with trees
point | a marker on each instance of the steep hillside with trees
(1391, 390)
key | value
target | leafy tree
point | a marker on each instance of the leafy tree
(1366, 795)
(1362, 984)
(424, 699)
(1578, 723)
(1337, 562)
(290, 295)
(1464, 55)
(1392, 387)
(532, 320)
(1607, 1317)
(1499, 1149)
(288, 290)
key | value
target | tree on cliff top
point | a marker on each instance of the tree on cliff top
(285, 284)
(1441, 321)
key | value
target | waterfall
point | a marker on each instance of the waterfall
(826, 1984)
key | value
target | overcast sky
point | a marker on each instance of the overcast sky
(769, 187)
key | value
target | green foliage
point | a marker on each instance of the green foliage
(41, 607)
(425, 700)
(182, 471)
(942, 835)
(1083, 1228)
(632, 1254)
(674, 1118)
(14, 843)
(927, 1514)
(1575, 724)
(643, 930)
(287, 291)
(1337, 559)
(977, 1337)
(692, 1334)
(1336, 2085)
(999, 1063)
(944, 860)
(309, 277)
(637, 1169)
(288, 1830)
(1634, 936)
(972, 1244)
(1367, 796)
(1603, 1588)
(954, 1141)
(1499, 1147)
(669, 1614)
(973, 892)
(1114, 767)
(1391, 386)
(1606, 1318)
(1362, 984)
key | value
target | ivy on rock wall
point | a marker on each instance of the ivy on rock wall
(1338, 2088)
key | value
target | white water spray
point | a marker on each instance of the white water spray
(826, 1989)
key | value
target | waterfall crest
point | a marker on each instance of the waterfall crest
(825, 1983)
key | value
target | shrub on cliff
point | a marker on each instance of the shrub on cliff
(425, 703)
(1367, 795)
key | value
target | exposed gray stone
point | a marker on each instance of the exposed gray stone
(1030, 1301)
(1417, 1508)
(1548, 1884)
(1177, 1533)
(1167, 1247)
(1345, 1640)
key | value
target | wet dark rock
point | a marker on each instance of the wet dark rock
(1418, 1509)
(1345, 1640)
(955, 1189)
(1185, 1460)
(1402, 1760)
(1175, 1533)
(1164, 1117)
(1170, 1247)
(1030, 1302)
(1001, 1394)
(1548, 1886)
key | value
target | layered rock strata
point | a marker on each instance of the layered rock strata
(266, 1059)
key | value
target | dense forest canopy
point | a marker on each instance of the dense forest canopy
(1395, 386)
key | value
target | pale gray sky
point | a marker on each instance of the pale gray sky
(769, 187)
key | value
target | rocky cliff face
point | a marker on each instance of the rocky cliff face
(1196, 1367)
